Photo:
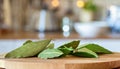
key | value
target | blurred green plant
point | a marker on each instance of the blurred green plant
(90, 6)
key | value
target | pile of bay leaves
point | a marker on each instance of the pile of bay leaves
(45, 49)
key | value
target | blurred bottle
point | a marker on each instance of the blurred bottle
(113, 18)
(45, 20)
(32, 15)
(67, 23)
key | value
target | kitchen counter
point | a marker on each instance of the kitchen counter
(51, 35)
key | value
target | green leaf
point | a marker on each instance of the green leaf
(73, 44)
(50, 46)
(69, 47)
(28, 50)
(28, 41)
(50, 53)
(66, 50)
(84, 52)
(96, 48)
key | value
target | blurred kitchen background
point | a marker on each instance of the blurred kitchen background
(91, 21)
(59, 18)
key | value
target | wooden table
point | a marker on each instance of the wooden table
(106, 61)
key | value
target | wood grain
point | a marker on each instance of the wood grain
(107, 61)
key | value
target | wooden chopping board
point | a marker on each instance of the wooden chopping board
(106, 61)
